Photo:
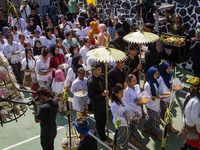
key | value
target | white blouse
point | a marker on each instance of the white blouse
(71, 76)
(115, 112)
(48, 43)
(152, 104)
(21, 48)
(22, 24)
(130, 97)
(161, 82)
(40, 65)
(32, 41)
(58, 87)
(16, 37)
(31, 65)
(27, 33)
(83, 52)
(79, 102)
(9, 49)
(192, 113)
(2, 45)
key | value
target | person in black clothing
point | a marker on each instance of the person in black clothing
(87, 142)
(153, 55)
(117, 75)
(98, 96)
(118, 42)
(33, 4)
(35, 16)
(132, 61)
(46, 117)
(195, 54)
(3, 22)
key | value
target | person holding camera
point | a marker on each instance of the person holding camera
(47, 118)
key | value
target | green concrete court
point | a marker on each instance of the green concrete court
(24, 134)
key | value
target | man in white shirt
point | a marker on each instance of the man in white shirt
(25, 10)
(85, 49)
(19, 22)
(15, 34)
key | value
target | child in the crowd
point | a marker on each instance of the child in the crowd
(152, 120)
(62, 48)
(131, 94)
(80, 104)
(166, 79)
(58, 86)
(33, 37)
(117, 107)
(73, 51)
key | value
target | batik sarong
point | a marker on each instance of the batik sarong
(152, 121)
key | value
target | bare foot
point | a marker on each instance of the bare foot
(107, 143)
(147, 130)
(135, 142)
(173, 130)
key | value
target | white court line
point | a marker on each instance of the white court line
(28, 140)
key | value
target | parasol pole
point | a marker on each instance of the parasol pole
(68, 115)
(106, 80)
(140, 45)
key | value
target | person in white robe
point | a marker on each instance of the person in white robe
(80, 103)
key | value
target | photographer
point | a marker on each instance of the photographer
(46, 117)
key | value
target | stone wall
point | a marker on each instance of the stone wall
(189, 10)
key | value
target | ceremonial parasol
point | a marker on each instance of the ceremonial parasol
(106, 55)
(141, 37)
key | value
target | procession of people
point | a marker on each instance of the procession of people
(50, 57)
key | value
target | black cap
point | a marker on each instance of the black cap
(95, 66)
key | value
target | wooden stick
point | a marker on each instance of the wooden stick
(106, 80)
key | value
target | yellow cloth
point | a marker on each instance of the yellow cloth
(91, 1)
(94, 30)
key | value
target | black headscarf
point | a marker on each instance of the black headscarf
(75, 66)
(36, 51)
(31, 28)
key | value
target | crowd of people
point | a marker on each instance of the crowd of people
(53, 55)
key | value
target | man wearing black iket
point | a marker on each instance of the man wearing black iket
(97, 95)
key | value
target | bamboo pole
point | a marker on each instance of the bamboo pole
(106, 80)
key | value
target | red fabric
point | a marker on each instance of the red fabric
(55, 61)
(34, 87)
(92, 42)
(194, 143)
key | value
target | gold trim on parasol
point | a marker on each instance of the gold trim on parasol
(106, 55)
(141, 37)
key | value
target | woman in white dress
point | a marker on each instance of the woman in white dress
(152, 120)
(49, 39)
(72, 72)
(31, 28)
(13, 55)
(44, 74)
(131, 94)
(166, 80)
(28, 66)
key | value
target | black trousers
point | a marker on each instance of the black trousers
(47, 142)
(196, 72)
(100, 118)
(185, 147)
